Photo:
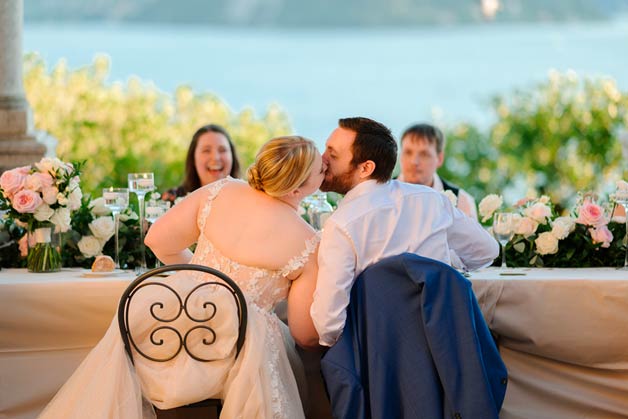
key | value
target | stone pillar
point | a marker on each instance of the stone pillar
(18, 140)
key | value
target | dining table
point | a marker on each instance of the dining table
(562, 333)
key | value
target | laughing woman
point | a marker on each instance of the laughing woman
(211, 157)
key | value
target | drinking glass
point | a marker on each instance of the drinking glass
(503, 231)
(154, 210)
(141, 184)
(116, 199)
(621, 197)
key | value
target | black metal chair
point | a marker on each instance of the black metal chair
(211, 407)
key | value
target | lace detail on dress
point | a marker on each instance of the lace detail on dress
(213, 188)
(278, 401)
(298, 261)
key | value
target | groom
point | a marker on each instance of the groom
(380, 217)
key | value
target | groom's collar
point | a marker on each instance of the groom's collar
(362, 188)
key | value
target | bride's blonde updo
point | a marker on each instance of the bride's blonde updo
(282, 165)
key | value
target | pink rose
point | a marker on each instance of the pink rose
(601, 235)
(38, 181)
(50, 195)
(539, 212)
(526, 227)
(23, 245)
(26, 201)
(12, 181)
(591, 214)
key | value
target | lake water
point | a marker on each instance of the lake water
(395, 76)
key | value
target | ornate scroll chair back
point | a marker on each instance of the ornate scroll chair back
(190, 328)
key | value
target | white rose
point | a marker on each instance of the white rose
(128, 216)
(102, 228)
(562, 226)
(74, 183)
(61, 219)
(74, 199)
(43, 213)
(45, 165)
(98, 207)
(546, 244)
(90, 246)
(451, 196)
(49, 164)
(49, 195)
(489, 205)
(62, 199)
(544, 199)
(526, 227)
(539, 212)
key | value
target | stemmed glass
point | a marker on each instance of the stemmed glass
(116, 199)
(621, 197)
(503, 231)
(141, 184)
(154, 210)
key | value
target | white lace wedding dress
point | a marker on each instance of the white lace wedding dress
(260, 383)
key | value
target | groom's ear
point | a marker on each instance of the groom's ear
(366, 169)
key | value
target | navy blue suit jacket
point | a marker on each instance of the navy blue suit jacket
(415, 345)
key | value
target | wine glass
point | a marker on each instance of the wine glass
(141, 184)
(503, 230)
(116, 199)
(621, 197)
(154, 210)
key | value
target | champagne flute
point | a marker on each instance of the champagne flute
(503, 231)
(154, 210)
(141, 184)
(621, 197)
(116, 199)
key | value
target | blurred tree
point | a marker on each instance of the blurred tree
(556, 138)
(123, 128)
(562, 134)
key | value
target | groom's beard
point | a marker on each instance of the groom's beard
(341, 183)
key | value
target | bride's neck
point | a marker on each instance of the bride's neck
(292, 203)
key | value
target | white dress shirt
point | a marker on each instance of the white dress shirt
(466, 203)
(377, 220)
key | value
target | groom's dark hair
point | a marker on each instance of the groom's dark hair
(375, 142)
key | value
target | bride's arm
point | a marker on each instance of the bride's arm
(172, 234)
(299, 302)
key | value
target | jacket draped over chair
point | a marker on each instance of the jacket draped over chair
(415, 345)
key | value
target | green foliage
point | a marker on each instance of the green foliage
(561, 135)
(556, 138)
(576, 250)
(128, 238)
(133, 127)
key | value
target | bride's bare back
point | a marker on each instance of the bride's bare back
(261, 242)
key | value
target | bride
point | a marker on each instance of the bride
(253, 233)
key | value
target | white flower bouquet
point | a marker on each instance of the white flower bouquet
(588, 236)
(41, 198)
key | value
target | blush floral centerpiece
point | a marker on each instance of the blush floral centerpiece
(587, 236)
(41, 198)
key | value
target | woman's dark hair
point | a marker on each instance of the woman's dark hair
(192, 182)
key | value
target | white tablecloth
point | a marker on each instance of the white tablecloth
(563, 334)
(48, 324)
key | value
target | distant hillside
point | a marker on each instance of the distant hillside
(308, 13)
